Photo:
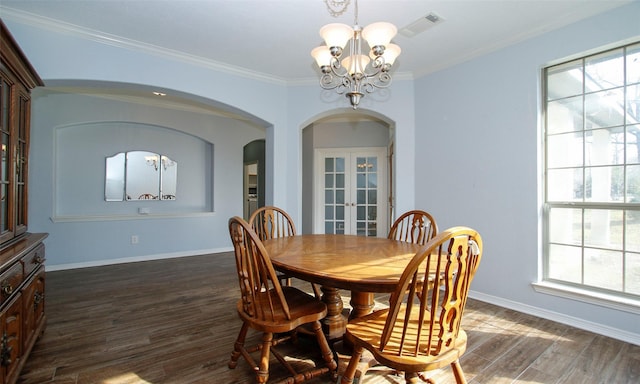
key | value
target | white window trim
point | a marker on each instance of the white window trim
(588, 296)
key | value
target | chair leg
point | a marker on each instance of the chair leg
(457, 372)
(262, 373)
(327, 354)
(350, 371)
(239, 345)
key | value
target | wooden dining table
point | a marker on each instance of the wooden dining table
(360, 264)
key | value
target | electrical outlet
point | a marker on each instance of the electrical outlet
(134, 239)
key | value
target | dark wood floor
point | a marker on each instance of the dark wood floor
(174, 321)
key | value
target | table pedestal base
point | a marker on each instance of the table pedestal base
(334, 324)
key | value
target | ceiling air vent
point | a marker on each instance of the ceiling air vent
(421, 25)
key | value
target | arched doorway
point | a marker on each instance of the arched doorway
(347, 174)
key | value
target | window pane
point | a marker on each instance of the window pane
(340, 164)
(633, 64)
(632, 232)
(564, 115)
(564, 80)
(605, 184)
(605, 146)
(565, 185)
(340, 180)
(633, 184)
(633, 102)
(565, 263)
(603, 228)
(604, 109)
(604, 71)
(372, 180)
(632, 271)
(565, 226)
(340, 212)
(632, 148)
(565, 150)
(361, 180)
(361, 196)
(603, 268)
(361, 212)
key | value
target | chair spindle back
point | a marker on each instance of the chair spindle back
(423, 323)
(272, 222)
(415, 226)
(261, 292)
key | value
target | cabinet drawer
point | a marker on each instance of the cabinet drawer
(10, 280)
(33, 260)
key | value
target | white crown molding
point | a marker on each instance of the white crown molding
(121, 42)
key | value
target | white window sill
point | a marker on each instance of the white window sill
(591, 297)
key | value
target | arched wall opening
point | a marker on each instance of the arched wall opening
(351, 131)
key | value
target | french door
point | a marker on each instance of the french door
(350, 191)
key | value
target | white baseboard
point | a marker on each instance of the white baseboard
(100, 263)
(600, 329)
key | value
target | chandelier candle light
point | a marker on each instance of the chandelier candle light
(356, 73)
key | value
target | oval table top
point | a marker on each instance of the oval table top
(356, 263)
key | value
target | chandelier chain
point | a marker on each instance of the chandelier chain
(337, 7)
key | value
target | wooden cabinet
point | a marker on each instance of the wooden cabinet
(22, 276)
(17, 78)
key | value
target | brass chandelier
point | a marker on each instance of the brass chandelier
(356, 73)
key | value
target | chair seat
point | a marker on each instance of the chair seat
(366, 331)
(304, 309)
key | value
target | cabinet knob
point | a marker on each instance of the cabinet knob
(6, 287)
(38, 259)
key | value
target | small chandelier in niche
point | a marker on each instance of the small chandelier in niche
(356, 73)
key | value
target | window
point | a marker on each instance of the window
(592, 173)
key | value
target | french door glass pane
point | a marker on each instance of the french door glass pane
(334, 195)
(366, 182)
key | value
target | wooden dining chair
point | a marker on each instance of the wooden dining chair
(271, 222)
(270, 308)
(420, 333)
(414, 226)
